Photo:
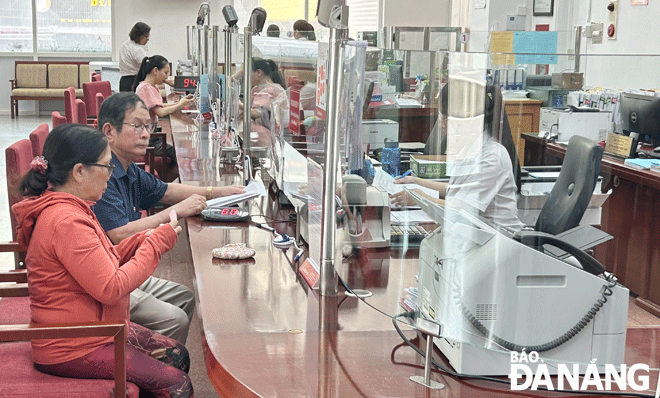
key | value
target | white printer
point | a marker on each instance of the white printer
(565, 123)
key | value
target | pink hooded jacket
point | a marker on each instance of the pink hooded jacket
(75, 274)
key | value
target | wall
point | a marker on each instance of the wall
(638, 31)
(415, 13)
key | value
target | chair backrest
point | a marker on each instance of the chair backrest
(37, 138)
(80, 112)
(96, 77)
(69, 104)
(574, 187)
(89, 95)
(99, 101)
(58, 119)
(18, 157)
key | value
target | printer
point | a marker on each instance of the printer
(490, 294)
(565, 123)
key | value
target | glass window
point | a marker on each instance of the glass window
(74, 26)
(16, 26)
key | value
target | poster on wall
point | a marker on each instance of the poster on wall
(543, 8)
(639, 2)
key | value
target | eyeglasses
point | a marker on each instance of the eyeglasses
(110, 168)
(139, 126)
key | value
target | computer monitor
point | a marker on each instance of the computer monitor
(641, 114)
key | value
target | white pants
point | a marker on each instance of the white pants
(163, 306)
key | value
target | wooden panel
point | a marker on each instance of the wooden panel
(524, 117)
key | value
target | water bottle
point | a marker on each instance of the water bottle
(391, 157)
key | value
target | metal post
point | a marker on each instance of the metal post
(328, 276)
(426, 380)
(215, 31)
(247, 94)
(227, 100)
(198, 49)
(578, 43)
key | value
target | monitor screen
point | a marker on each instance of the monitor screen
(641, 114)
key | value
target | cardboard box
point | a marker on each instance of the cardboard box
(572, 81)
(429, 166)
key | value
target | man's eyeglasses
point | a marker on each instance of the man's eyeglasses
(139, 126)
(109, 168)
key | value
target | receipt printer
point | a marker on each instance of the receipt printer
(374, 132)
(367, 210)
(565, 124)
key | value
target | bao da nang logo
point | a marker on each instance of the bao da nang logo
(635, 377)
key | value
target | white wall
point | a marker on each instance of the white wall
(638, 33)
(416, 13)
(168, 21)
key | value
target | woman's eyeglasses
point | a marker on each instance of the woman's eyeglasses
(139, 126)
(109, 168)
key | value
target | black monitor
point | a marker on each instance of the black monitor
(641, 114)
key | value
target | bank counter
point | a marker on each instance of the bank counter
(262, 324)
(630, 215)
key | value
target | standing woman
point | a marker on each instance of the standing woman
(75, 274)
(131, 54)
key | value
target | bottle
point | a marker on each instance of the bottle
(391, 157)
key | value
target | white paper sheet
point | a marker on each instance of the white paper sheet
(252, 190)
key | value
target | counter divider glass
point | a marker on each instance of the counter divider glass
(268, 334)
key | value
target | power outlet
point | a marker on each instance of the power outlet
(612, 16)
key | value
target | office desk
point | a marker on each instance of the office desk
(631, 215)
(415, 124)
(261, 322)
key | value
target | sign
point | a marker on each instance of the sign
(619, 145)
(322, 81)
(294, 111)
(186, 83)
(464, 38)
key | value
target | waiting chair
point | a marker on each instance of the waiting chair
(80, 112)
(37, 138)
(58, 119)
(96, 77)
(19, 378)
(17, 163)
(90, 90)
(99, 98)
(70, 104)
(575, 185)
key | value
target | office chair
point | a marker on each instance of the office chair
(575, 185)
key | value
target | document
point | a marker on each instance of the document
(252, 190)
(386, 181)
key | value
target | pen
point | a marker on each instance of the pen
(247, 169)
(407, 173)
(264, 226)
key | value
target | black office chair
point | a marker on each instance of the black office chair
(575, 185)
(568, 201)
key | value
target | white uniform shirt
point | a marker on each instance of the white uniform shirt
(131, 55)
(490, 188)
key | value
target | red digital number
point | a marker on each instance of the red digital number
(186, 82)
(224, 212)
(234, 212)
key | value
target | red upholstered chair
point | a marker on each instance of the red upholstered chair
(18, 157)
(96, 77)
(37, 138)
(99, 101)
(80, 112)
(19, 378)
(89, 95)
(70, 104)
(58, 119)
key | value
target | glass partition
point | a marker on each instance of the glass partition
(439, 178)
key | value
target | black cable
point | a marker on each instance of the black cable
(600, 302)
(501, 381)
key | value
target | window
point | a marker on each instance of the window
(63, 26)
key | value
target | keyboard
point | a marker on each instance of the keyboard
(413, 234)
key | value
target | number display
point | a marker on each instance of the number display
(186, 82)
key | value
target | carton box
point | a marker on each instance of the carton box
(429, 166)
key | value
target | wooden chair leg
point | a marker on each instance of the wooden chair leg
(11, 101)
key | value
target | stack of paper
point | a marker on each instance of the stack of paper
(252, 190)
(642, 164)
(408, 217)
(409, 302)
(386, 181)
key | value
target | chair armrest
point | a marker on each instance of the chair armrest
(10, 247)
(13, 83)
(16, 276)
(77, 330)
(163, 139)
